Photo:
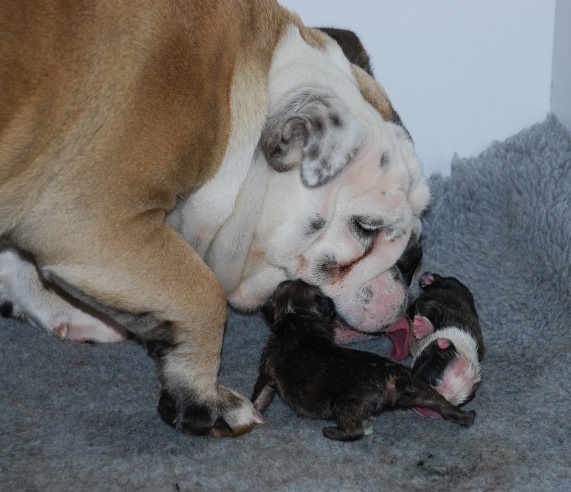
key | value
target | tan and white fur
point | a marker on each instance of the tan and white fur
(162, 157)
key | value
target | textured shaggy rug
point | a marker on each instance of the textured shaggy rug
(82, 417)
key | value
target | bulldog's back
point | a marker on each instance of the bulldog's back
(132, 94)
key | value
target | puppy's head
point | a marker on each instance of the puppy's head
(295, 296)
(430, 282)
(451, 286)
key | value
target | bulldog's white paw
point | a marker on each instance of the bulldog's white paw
(240, 418)
(228, 414)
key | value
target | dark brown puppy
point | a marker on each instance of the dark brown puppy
(319, 379)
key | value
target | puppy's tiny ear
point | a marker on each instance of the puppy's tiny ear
(326, 306)
(427, 278)
(317, 133)
(267, 309)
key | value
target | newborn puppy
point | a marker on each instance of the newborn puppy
(446, 341)
(319, 379)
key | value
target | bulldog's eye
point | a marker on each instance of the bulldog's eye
(368, 224)
(366, 229)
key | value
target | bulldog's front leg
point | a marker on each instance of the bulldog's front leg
(192, 400)
(160, 290)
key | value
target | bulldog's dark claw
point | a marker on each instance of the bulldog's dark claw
(167, 409)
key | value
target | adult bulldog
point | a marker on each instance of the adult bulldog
(160, 157)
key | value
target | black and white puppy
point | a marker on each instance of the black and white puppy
(446, 338)
(319, 379)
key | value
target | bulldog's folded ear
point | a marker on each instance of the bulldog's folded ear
(351, 46)
(315, 132)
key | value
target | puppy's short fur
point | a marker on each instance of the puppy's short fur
(319, 379)
(445, 338)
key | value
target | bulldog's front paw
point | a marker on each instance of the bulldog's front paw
(230, 414)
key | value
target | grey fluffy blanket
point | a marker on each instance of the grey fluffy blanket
(82, 417)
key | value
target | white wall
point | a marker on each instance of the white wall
(461, 73)
(561, 89)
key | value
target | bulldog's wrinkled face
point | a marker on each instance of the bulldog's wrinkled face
(333, 195)
(355, 236)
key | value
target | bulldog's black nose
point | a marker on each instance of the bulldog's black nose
(409, 260)
(6, 309)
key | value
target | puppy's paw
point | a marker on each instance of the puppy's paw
(341, 434)
(229, 414)
(422, 326)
